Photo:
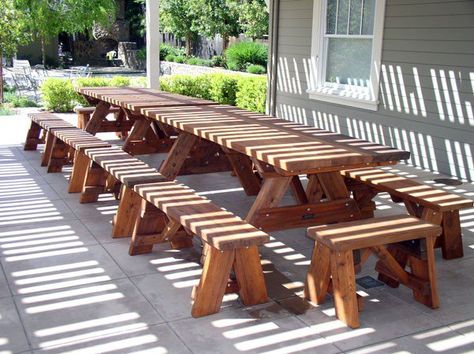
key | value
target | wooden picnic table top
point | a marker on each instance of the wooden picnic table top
(135, 99)
(285, 145)
(291, 147)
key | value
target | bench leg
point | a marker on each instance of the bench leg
(344, 288)
(127, 213)
(94, 184)
(451, 238)
(59, 155)
(82, 120)
(148, 227)
(319, 274)
(79, 172)
(402, 259)
(425, 269)
(249, 273)
(32, 137)
(213, 283)
(48, 149)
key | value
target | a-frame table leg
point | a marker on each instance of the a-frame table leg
(100, 113)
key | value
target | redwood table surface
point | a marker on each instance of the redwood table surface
(134, 99)
(291, 147)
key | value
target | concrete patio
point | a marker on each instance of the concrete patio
(67, 286)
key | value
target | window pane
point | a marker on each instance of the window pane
(368, 20)
(356, 12)
(331, 17)
(342, 16)
(348, 61)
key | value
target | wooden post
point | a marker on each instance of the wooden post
(249, 274)
(344, 288)
(153, 43)
(211, 289)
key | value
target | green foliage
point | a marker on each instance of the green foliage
(170, 57)
(252, 94)
(167, 50)
(138, 81)
(198, 61)
(58, 95)
(216, 17)
(254, 18)
(141, 54)
(218, 60)
(13, 28)
(242, 54)
(242, 91)
(6, 111)
(177, 17)
(17, 101)
(256, 69)
(179, 59)
(119, 81)
(224, 88)
(194, 86)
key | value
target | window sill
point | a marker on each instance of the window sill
(355, 102)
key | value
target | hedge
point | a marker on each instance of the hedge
(59, 94)
(247, 92)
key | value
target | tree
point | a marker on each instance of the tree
(48, 18)
(179, 18)
(13, 33)
(254, 18)
(217, 17)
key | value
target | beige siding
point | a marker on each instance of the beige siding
(427, 82)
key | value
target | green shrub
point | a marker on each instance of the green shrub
(240, 55)
(252, 93)
(141, 54)
(244, 91)
(170, 57)
(256, 69)
(218, 60)
(138, 81)
(17, 101)
(180, 59)
(198, 61)
(6, 111)
(119, 81)
(58, 95)
(224, 88)
(194, 86)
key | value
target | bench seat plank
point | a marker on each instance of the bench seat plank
(217, 227)
(371, 232)
(408, 189)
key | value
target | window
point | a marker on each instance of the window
(346, 51)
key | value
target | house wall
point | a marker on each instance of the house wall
(427, 82)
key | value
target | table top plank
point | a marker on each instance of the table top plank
(292, 147)
(135, 99)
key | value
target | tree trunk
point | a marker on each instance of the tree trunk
(225, 41)
(189, 45)
(43, 51)
(1, 76)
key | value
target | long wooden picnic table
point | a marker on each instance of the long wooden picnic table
(227, 137)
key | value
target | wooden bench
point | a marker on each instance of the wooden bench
(421, 200)
(332, 264)
(120, 124)
(40, 123)
(155, 210)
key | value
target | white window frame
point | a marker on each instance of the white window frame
(354, 96)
